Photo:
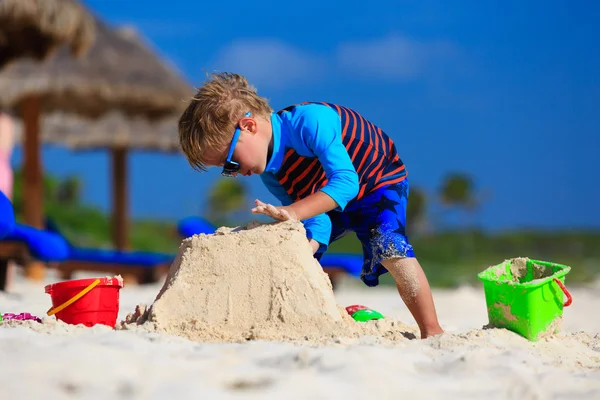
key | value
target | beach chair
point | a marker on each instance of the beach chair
(7, 224)
(7, 216)
(349, 263)
(194, 225)
(133, 266)
(29, 247)
(337, 265)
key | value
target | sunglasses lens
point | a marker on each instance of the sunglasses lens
(230, 168)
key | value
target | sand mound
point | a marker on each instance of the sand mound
(259, 282)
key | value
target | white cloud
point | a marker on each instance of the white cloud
(393, 57)
(270, 63)
(273, 64)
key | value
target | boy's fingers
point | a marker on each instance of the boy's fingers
(272, 209)
(284, 214)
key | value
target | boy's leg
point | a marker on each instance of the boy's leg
(381, 229)
(314, 245)
(414, 289)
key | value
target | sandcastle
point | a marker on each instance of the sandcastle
(255, 282)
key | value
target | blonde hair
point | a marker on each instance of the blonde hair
(210, 119)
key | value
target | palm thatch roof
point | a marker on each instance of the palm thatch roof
(113, 130)
(34, 28)
(119, 72)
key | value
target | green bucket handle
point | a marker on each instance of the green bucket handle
(566, 292)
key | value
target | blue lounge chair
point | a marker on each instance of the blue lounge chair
(134, 266)
(26, 245)
(350, 263)
(42, 245)
(7, 216)
(194, 225)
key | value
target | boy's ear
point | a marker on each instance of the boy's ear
(249, 124)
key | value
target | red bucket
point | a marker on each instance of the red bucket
(86, 301)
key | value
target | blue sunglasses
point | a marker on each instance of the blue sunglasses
(231, 168)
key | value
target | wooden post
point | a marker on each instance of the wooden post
(119, 217)
(33, 184)
(33, 190)
(4, 275)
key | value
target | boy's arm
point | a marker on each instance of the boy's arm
(321, 132)
(318, 132)
(318, 227)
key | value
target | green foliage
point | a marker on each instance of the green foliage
(416, 211)
(150, 235)
(68, 191)
(445, 266)
(226, 197)
(457, 190)
(441, 254)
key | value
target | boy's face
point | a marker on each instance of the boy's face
(250, 148)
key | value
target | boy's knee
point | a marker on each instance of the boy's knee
(398, 263)
(405, 273)
(314, 245)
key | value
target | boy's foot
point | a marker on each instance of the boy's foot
(431, 332)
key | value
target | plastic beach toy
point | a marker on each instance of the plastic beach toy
(86, 301)
(362, 314)
(528, 301)
(20, 317)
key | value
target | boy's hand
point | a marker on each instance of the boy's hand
(282, 213)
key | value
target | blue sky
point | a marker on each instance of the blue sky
(460, 86)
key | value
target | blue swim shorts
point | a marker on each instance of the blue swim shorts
(379, 221)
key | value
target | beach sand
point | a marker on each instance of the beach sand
(263, 284)
(55, 361)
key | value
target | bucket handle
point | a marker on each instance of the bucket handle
(566, 292)
(73, 299)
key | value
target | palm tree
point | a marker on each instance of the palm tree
(51, 186)
(457, 191)
(68, 192)
(416, 211)
(226, 197)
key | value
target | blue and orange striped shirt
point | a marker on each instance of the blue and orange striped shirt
(330, 148)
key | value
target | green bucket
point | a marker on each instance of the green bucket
(526, 296)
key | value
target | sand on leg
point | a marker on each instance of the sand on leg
(414, 290)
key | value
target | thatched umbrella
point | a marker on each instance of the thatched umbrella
(113, 130)
(120, 134)
(118, 73)
(34, 28)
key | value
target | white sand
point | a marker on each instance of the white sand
(264, 284)
(67, 362)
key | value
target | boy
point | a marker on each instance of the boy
(330, 167)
